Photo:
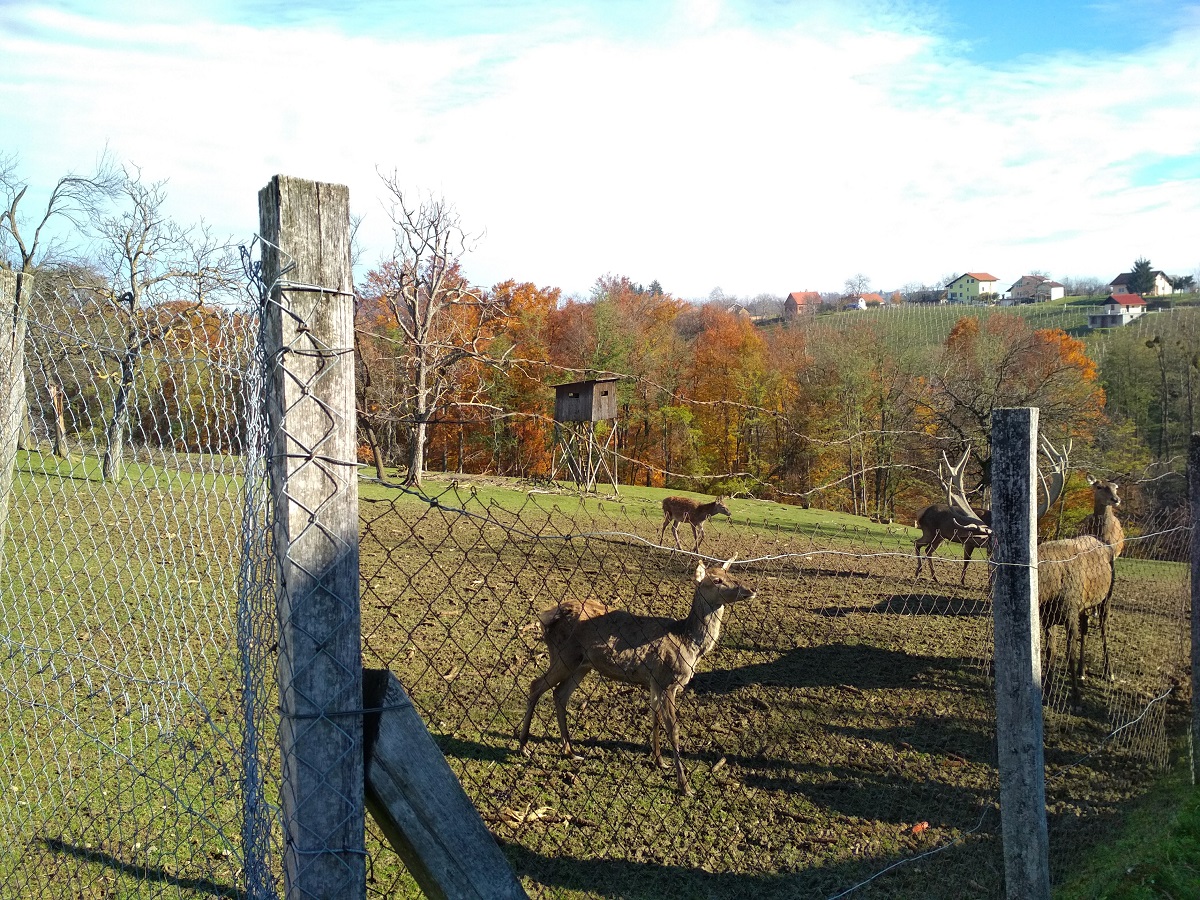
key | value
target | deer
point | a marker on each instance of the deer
(656, 652)
(677, 510)
(1103, 523)
(957, 522)
(1075, 579)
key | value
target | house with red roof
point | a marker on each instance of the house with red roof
(1119, 309)
(800, 302)
(971, 287)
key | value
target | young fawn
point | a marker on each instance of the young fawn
(677, 510)
(656, 652)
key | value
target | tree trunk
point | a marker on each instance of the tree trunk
(61, 448)
(114, 450)
(416, 453)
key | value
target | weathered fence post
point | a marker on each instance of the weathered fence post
(1018, 655)
(14, 290)
(310, 397)
(1194, 491)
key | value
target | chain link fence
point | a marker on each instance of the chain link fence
(839, 737)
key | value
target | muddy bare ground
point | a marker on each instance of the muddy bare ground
(843, 723)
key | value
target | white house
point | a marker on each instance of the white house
(1120, 309)
(1162, 284)
(1049, 290)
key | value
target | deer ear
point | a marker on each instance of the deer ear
(729, 562)
(700, 571)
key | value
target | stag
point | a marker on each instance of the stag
(956, 521)
(658, 653)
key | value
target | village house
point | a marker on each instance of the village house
(1035, 289)
(1162, 284)
(801, 302)
(1119, 309)
(970, 287)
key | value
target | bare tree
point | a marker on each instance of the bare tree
(28, 242)
(159, 273)
(440, 321)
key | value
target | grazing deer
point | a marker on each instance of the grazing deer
(684, 509)
(957, 522)
(1103, 522)
(657, 652)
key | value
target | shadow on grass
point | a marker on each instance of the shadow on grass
(831, 665)
(142, 873)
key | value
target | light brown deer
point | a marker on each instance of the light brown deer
(677, 510)
(1075, 579)
(656, 652)
(956, 521)
(1103, 522)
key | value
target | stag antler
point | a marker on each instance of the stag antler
(951, 476)
(1057, 480)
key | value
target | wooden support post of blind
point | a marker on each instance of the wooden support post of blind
(309, 334)
(15, 288)
(420, 806)
(1018, 655)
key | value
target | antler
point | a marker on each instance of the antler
(951, 476)
(1057, 480)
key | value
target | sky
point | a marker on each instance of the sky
(747, 146)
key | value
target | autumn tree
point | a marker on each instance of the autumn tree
(439, 322)
(1001, 361)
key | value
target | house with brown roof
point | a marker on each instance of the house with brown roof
(971, 287)
(1036, 289)
(1162, 284)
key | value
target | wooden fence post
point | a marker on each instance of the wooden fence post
(14, 290)
(1018, 655)
(309, 332)
(1194, 491)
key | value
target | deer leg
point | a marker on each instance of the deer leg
(675, 531)
(1083, 630)
(1108, 674)
(540, 685)
(671, 723)
(698, 535)
(562, 694)
(930, 545)
(968, 549)
(1073, 670)
(662, 532)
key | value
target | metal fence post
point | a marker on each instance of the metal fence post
(310, 398)
(1018, 655)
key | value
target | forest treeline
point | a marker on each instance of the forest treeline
(140, 340)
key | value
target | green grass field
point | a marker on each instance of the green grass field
(842, 724)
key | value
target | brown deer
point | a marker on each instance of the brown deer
(1075, 579)
(677, 510)
(957, 522)
(1103, 522)
(657, 652)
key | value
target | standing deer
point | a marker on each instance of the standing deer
(657, 652)
(1103, 522)
(957, 522)
(677, 510)
(1075, 579)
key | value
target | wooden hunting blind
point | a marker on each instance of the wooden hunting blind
(578, 406)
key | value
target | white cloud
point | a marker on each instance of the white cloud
(717, 155)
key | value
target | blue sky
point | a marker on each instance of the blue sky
(759, 146)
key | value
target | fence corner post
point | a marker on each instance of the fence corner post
(1017, 655)
(309, 335)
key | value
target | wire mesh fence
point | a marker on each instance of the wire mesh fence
(126, 742)
(843, 722)
(838, 735)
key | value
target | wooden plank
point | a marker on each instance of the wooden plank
(1018, 655)
(309, 332)
(422, 809)
(15, 289)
